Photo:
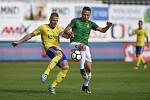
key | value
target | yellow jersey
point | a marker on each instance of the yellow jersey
(141, 34)
(50, 37)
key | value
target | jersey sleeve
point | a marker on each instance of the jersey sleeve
(145, 31)
(38, 31)
(94, 26)
(72, 23)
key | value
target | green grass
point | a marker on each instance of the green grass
(110, 81)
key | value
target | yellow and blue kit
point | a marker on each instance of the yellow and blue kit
(140, 41)
(50, 39)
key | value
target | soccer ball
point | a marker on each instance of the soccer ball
(76, 55)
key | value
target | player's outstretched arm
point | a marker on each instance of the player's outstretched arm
(104, 29)
(132, 33)
(24, 39)
(67, 33)
(147, 41)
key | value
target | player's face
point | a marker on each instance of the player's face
(53, 21)
(140, 24)
(86, 15)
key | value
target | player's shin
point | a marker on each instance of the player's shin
(60, 76)
(82, 63)
(143, 61)
(86, 81)
(138, 60)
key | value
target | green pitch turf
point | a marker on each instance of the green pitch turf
(111, 81)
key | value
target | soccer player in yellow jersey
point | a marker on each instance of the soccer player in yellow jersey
(50, 38)
(141, 34)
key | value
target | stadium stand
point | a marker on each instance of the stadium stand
(76, 1)
(131, 2)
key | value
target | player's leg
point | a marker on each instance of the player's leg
(82, 65)
(142, 59)
(88, 67)
(138, 55)
(79, 46)
(64, 67)
(82, 49)
(55, 56)
(85, 61)
(85, 86)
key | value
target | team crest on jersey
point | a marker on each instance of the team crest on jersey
(52, 37)
(88, 26)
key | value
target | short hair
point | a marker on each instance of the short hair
(86, 8)
(141, 21)
(54, 14)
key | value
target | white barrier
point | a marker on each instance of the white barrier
(20, 18)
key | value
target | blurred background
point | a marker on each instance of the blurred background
(20, 17)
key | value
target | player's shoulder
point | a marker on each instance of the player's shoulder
(59, 28)
(144, 29)
(90, 21)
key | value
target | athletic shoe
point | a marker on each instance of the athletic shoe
(136, 68)
(86, 89)
(145, 65)
(51, 90)
(83, 74)
(43, 78)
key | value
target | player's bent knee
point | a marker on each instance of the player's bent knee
(81, 47)
(59, 54)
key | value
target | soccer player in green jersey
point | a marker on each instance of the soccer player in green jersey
(141, 34)
(50, 39)
(81, 28)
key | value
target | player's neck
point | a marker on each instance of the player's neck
(52, 27)
(83, 20)
(140, 28)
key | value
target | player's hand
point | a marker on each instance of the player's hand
(69, 34)
(81, 47)
(14, 43)
(147, 45)
(109, 24)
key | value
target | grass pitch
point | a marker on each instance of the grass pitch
(110, 81)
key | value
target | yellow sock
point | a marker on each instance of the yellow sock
(142, 59)
(53, 63)
(138, 60)
(60, 76)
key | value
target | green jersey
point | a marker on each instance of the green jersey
(81, 30)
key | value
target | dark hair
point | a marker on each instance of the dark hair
(54, 14)
(87, 8)
(141, 21)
